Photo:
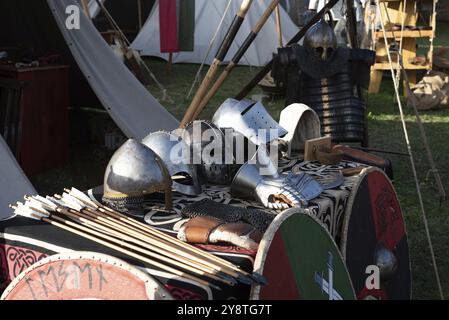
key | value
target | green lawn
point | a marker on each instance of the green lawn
(385, 132)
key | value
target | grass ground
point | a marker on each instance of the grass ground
(385, 132)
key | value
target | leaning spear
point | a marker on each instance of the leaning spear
(235, 60)
(242, 94)
(219, 57)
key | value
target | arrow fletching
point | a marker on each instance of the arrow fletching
(81, 196)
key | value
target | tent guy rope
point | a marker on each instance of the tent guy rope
(409, 148)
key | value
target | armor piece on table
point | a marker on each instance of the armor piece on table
(212, 168)
(133, 173)
(331, 86)
(248, 118)
(302, 124)
(206, 207)
(275, 192)
(205, 230)
(176, 156)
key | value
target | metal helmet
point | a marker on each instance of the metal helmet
(248, 118)
(302, 124)
(176, 156)
(321, 40)
(134, 172)
(204, 139)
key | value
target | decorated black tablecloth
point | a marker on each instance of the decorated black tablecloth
(24, 241)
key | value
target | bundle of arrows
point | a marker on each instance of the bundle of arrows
(75, 212)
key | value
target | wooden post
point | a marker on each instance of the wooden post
(170, 61)
(139, 11)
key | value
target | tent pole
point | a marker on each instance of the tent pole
(170, 61)
(409, 148)
(139, 11)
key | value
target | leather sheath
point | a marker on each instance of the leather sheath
(198, 229)
(329, 157)
(241, 229)
(366, 158)
(361, 156)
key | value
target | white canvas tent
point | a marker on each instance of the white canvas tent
(207, 18)
(94, 8)
(14, 184)
(130, 104)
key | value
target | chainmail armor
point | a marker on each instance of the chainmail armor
(228, 213)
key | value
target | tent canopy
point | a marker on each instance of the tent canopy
(128, 102)
(207, 18)
(14, 184)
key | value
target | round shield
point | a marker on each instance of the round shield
(300, 260)
(374, 240)
(84, 276)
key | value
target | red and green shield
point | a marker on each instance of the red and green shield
(300, 260)
(373, 219)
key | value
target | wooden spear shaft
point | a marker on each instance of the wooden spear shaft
(183, 263)
(124, 251)
(279, 26)
(159, 246)
(107, 227)
(129, 221)
(156, 232)
(219, 57)
(235, 60)
(262, 73)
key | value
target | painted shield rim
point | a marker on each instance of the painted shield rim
(265, 243)
(347, 216)
(151, 285)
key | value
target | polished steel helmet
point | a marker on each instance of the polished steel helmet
(321, 40)
(211, 152)
(302, 124)
(134, 172)
(249, 119)
(176, 156)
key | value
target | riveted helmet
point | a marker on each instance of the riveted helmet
(321, 40)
